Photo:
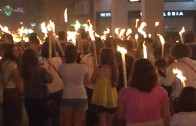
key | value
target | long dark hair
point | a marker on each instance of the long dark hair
(29, 62)
(144, 76)
(107, 58)
(187, 100)
(8, 54)
(45, 49)
(71, 54)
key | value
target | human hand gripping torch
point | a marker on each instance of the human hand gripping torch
(123, 51)
(162, 43)
(180, 33)
(180, 76)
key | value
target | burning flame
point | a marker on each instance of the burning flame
(122, 31)
(149, 35)
(107, 31)
(136, 22)
(5, 29)
(65, 16)
(182, 30)
(162, 40)
(129, 31)
(117, 31)
(77, 25)
(180, 76)
(140, 29)
(92, 36)
(144, 50)
(156, 24)
(121, 50)
(71, 36)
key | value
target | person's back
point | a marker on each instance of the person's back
(73, 77)
(74, 101)
(144, 103)
(143, 106)
(184, 119)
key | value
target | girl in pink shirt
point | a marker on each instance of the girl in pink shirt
(143, 103)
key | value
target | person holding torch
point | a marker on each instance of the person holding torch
(105, 79)
(143, 96)
(181, 54)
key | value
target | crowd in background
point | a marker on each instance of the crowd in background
(59, 84)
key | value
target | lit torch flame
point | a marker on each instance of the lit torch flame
(144, 50)
(44, 29)
(162, 40)
(180, 76)
(107, 31)
(123, 51)
(181, 32)
(5, 29)
(136, 22)
(77, 25)
(65, 16)
(122, 31)
(156, 24)
(129, 31)
(71, 36)
(140, 29)
(117, 31)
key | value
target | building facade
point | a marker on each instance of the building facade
(177, 13)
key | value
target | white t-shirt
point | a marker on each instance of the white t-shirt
(73, 77)
(184, 119)
(186, 71)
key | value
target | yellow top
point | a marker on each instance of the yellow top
(104, 93)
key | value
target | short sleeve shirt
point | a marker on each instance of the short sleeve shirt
(142, 106)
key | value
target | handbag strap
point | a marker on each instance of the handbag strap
(188, 66)
(54, 69)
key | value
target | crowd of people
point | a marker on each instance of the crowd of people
(59, 84)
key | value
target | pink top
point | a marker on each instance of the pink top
(142, 106)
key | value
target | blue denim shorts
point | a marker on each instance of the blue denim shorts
(74, 104)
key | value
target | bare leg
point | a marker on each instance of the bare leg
(78, 118)
(109, 119)
(102, 119)
(66, 117)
